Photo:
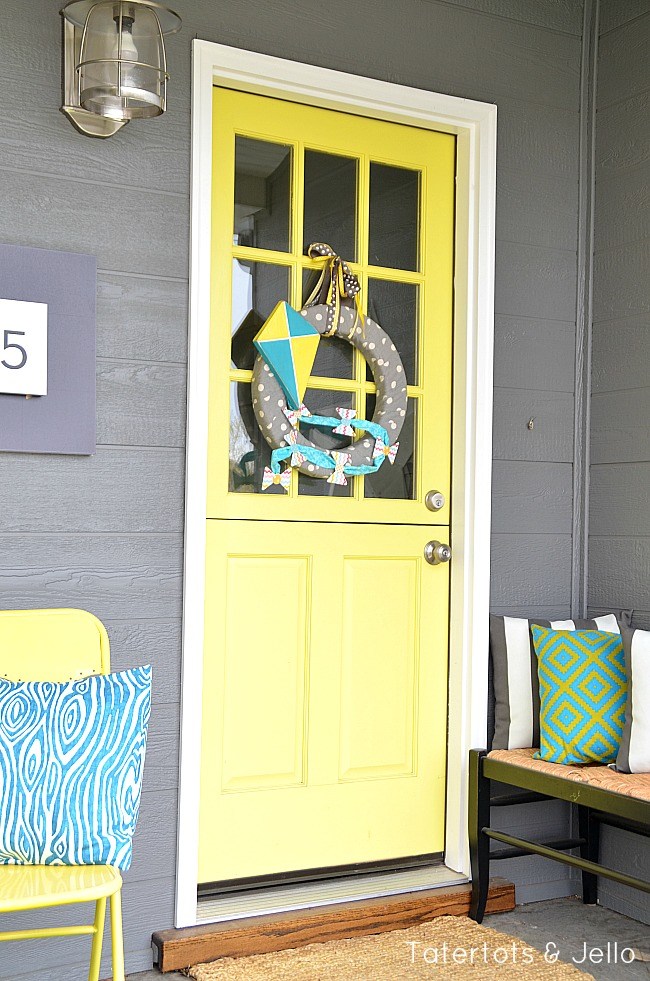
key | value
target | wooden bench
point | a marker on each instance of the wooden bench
(601, 795)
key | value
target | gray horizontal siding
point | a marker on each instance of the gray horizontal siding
(112, 575)
(622, 138)
(616, 492)
(537, 210)
(621, 277)
(141, 231)
(142, 318)
(623, 205)
(619, 572)
(619, 354)
(532, 495)
(623, 61)
(522, 564)
(140, 403)
(81, 494)
(534, 354)
(614, 14)
(621, 426)
(550, 439)
(557, 15)
(535, 282)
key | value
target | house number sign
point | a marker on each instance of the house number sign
(23, 347)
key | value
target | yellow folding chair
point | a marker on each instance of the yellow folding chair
(59, 645)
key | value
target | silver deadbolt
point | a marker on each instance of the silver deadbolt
(434, 500)
(436, 552)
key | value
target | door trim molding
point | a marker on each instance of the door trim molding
(474, 124)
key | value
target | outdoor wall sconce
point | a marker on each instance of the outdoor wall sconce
(114, 64)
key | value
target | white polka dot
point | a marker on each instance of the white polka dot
(383, 340)
(402, 390)
(311, 467)
(280, 402)
(266, 398)
(381, 378)
(261, 415)
(254, 401)
(393, 425)
(372, 347)
(393, 384)
(340, 320)
(398, 368)
(381, 413)
(304, 313)
(271, 375)
(269, 425)
(283, 426)
(319, 317)
(380, 361)
(266, 367)
(389, 401)
(402, 412)
(393, 348)
(260, 388)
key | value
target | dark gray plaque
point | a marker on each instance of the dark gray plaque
(63, 421)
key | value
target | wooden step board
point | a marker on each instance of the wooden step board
(177, 949)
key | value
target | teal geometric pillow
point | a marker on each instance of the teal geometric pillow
(71, 763)
(582, 688)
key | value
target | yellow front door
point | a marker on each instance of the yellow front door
(325, 660)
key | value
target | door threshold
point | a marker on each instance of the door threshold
(284, 899)
(175, 950)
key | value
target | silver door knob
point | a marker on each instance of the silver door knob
(436, 552)
(434, 500)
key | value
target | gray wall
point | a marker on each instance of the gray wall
(105, 533)
(619, 526)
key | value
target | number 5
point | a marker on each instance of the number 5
(18, 347)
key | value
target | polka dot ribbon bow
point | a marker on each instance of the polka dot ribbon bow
(342, 284)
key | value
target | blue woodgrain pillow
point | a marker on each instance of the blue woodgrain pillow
(71, 762)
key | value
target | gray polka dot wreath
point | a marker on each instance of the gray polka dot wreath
(372, 441)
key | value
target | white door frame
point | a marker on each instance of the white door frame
(474, 124)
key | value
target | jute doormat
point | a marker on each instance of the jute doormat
(431, 950)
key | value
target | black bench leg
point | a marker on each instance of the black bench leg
(479, 843)
(589, 830)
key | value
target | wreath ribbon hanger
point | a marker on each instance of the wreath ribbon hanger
(341, 283)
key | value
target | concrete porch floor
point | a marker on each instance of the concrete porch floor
(563, 922)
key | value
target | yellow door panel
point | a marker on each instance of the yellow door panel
(270, 686)
(379, 665)
(325, 697)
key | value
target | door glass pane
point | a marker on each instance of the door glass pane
(325, 404)
(335, 357)
(249, 451)
(394, 223)
(394, 306)
(256, 288)
(262, 194)
(396, 481)
(330, 202)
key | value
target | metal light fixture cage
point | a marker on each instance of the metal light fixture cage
(115, 67)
